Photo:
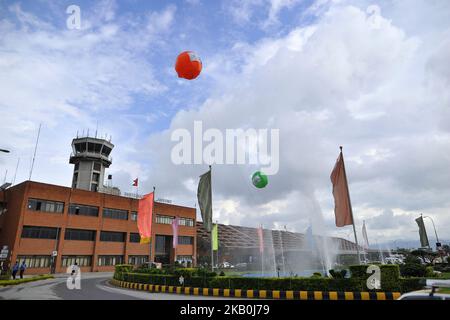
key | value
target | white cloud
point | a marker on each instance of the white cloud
(338, 82)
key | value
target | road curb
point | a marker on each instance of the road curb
(259, 294)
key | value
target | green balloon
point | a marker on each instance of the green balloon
(259, 179)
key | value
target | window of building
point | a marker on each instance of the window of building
(164, 219)
(109, 260)
(134, 215)
(137, 260)
(115, 214)
(135, 237)
(45, 205)
(182, 259)
(97, 166)
(39, 232)
(185, 240)
(82, 261)
(94, 187)
(186, 222)
(79, 234)
(35, 261)
(75, 180)
(112, 236)
(82, 210)
(96, 177)
(163, 244)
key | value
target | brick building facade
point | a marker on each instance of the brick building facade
(97, 230)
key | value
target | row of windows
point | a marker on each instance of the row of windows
(39, 232)
(168, 220)
(88, 235)
(45, 205)
(82, 261)
(115, 214)
(84, 210)
(78, 234)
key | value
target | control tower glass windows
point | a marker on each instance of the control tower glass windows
(106, 151)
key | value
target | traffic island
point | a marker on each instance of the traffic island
(258, 294)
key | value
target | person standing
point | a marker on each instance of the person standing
(22, 268)
(15, 268)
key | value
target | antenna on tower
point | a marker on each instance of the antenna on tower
(96, 129)
(88, 133)
(35, 149)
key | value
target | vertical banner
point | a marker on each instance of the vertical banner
(175, 231)
(215, 237)
(145, 217)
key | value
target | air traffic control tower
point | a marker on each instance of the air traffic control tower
(90, 156)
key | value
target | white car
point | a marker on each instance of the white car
(227, 265)
(429, 294)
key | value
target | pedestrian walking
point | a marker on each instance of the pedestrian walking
(22, 268)
(15, 268)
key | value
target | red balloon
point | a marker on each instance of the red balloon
(188, 65)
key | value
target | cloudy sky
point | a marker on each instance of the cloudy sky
(372, 76)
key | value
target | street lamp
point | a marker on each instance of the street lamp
(437, 238)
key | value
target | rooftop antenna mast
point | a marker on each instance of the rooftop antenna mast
(35, 149)
(15, 174)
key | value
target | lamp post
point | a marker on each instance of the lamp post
(435, 232)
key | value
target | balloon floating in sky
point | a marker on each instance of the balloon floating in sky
(259, 179)
(188, 65)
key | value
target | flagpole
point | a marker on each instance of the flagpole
(153, 220)
(351, 209)
(212, 251)
(262, 252)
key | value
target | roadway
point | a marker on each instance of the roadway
(94, 286)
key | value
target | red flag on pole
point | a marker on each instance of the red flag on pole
(261, 240)
(342, 205)
(145, 217)
(135, 182)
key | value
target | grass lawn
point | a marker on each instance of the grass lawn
(19, 281)
(445, 275)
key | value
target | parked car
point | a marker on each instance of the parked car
(226, 265)
(429, 294)
(242, 265)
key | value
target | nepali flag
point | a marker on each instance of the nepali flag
(135, 182)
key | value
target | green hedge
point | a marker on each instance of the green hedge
(390, 281)
(24, 280)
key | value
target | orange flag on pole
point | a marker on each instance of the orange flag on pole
(342, 205)
(145, 217)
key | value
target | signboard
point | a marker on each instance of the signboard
(54, 253)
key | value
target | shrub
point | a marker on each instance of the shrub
(336, 274)
(358, 271)
(222, 274)
(412, 270)
(411, 284)
(390, 275)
